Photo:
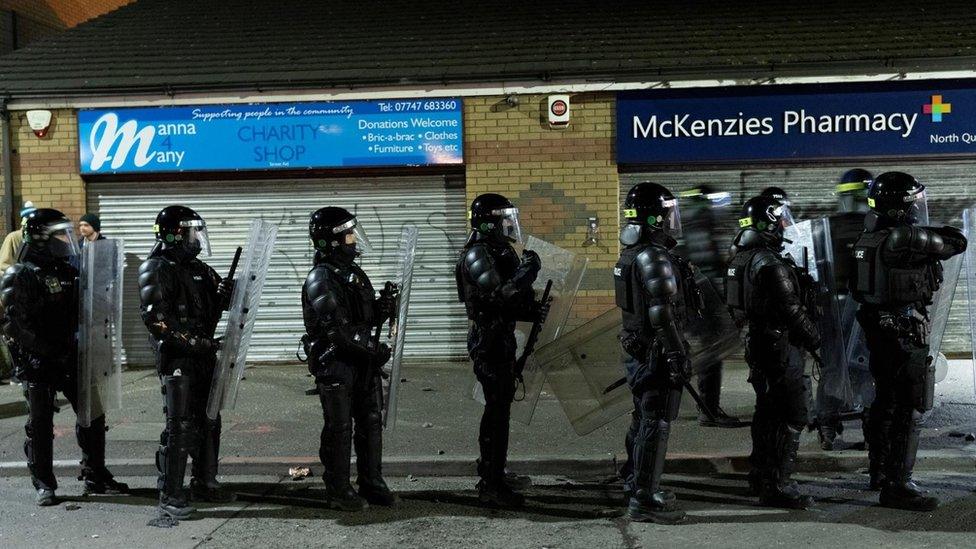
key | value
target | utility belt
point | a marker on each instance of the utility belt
(908, 326)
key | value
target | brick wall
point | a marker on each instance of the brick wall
(37, 19)
(46, 170)
(61, 14)
(557, 178)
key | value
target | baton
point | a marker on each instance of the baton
(233, 264)
(533, 336)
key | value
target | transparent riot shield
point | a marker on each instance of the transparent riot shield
(939, 313)
(969, 227)
(565, 269)
(710, 331)
(99, 329)
(809, 245)
(244, 303)
(586, 366)
(404, 269)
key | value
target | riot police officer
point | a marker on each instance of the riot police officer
(846, 225)
(898, 269)
(699, 244)
(40, 302)
(762, 288)
(495, 286)
(655, 289)
(342, 314)
(182, 300)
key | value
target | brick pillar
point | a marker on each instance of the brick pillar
(557, 178)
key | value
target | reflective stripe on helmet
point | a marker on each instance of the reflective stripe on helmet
(345, 226)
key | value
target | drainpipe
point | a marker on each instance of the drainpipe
(6, 167)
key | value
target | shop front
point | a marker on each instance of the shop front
(392, 163)
(802, 139)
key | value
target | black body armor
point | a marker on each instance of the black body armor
(40, 301)
(180, 305)
(339, 307)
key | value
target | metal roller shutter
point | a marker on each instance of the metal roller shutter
(437, 321)
(949, 186)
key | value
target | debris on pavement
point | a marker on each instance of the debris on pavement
(427, 425)
(298, 473)
(72, 507)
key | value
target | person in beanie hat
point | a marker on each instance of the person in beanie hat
(90, 227)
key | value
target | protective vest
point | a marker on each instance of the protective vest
(845, 229)
(634, 300)
(891, 286)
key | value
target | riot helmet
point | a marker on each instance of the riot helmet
(495, 216)
(852, 190)
(336, 232)
(784, 200)
(767, 215)
(179, 227)
(49, 232)
(897, 196)
(649, 207)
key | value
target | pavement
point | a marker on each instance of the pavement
(561, 511)
(276, 426)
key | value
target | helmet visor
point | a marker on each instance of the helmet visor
(918, 212)
(355, 234)
(61, 240)
(508, 224)
(195, 237)
(671, 222)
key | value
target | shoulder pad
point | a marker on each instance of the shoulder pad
(151, 273)
(481, 267)
(657, 272)
(320, 290)
(8, 283)
(11, 274)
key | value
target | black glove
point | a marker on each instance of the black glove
(224, 290)
(953, 237)
(531, 260)
(679, 368)
(381, 355)
(387, 301)
(634, 346)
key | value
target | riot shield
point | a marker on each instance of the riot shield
(939, 313)
(565, 269)
(404, 269)
(99, 329)
(969, 227)
(244, 303)
(584, 367)
(809, 245)
(710, 331)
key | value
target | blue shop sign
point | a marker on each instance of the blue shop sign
(355, 134)
(796, 122)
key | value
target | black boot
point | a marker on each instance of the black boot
(827, 434)
(369, 451)
(203, 481)
(39, 444)
(778, 488)
(710, 390)
(176, 442)
(650, 503)
(900, 491)
(335, 450)
(879, 450)
(97, 478)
